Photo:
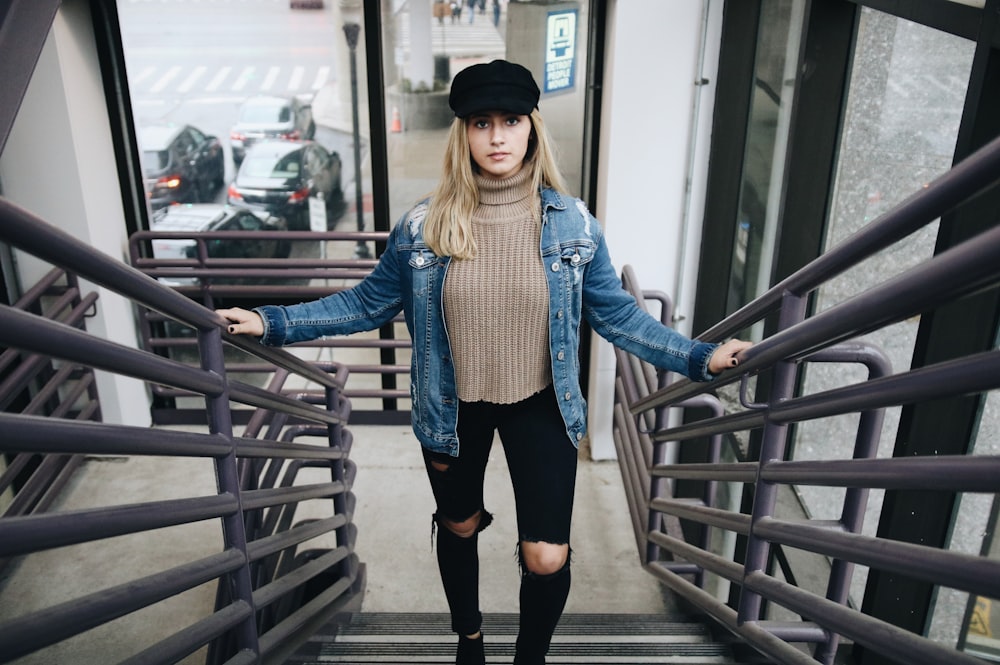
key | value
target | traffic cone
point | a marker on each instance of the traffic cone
(397, 126)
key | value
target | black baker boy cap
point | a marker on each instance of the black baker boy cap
(497, 86)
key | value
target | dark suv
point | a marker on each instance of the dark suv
(180, 164)
(265, 117)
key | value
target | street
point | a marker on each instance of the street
(196, 62)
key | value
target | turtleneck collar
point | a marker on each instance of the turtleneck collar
(504, 191)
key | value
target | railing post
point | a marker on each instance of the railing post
(772, 447)
(234, 530)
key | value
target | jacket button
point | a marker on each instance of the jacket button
(559, 314)
(560, 355)
(567, 396)
(575, 259)
(420, 261)
(579, 435)
(555, 267)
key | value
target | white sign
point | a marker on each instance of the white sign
(317, 213)
(560, 50)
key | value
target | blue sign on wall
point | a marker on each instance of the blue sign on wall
(560, 50)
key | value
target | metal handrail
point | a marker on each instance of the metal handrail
(214, 281)
(800, 340)
(247, 623)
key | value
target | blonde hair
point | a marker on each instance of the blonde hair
(447, 227)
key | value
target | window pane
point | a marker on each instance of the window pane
(906, 96)
(427, 43)
(778, 36)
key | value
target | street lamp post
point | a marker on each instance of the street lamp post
(352, 29)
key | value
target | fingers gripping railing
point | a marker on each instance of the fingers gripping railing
(827, 337)
(248, 478)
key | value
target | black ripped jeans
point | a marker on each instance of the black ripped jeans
(542, 464)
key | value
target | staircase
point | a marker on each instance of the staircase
(606, 639)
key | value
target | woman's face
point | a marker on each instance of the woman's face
(498, 141)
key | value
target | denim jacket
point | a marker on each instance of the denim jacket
(409, 277)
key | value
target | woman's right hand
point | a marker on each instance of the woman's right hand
(243, 321)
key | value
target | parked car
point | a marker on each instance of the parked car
(195, 218)
(265, 117)
(281, 176)
(180, 164)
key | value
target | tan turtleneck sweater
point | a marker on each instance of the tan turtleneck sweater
(497, 305)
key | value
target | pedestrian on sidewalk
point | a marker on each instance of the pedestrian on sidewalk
(495, 273)
(472, 10)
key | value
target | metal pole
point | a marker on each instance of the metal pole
(351, 32)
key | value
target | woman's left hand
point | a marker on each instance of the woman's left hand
(725, 354)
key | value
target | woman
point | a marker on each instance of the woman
(494, 273)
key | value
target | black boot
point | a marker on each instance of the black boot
(470, 651)
(543, 598)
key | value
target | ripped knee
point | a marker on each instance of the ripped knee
(468, 527)
(543, 559)
(440, 466)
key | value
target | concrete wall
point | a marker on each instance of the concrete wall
(655, 135)
(64, 118)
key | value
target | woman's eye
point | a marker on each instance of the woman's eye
(513, 121)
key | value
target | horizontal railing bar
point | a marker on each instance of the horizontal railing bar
(186, 641)
(33, 631)
(958, 272)
(731, 422)
(950, 473)
(256, 448)
(311, 236)
(36, 236)
(956, 570)
(750, 631)
(267, 594)
(739, 472)
(276, 496)
(39, 434)
(262, 398)
(32, 333)
(282, 359)
(276, 636)
(702, 558)
(963, 181)
(970, 374)
(975, 373)
(896, 643)
(795, 631)
(33, 533)
(274, 543)
(688, 509)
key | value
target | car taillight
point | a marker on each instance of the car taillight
(292, 135)
(234, 194)
(299, 195)
(169, 181)
(236, 136)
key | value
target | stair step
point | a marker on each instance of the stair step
(385, 637)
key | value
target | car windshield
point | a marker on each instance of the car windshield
(264, 166)
(155, 159)
(265, 113)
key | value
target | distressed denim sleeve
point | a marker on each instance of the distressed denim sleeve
(614, 314)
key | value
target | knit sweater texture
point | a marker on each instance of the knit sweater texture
(497, 304)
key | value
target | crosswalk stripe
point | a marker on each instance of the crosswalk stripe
(272, 76)
(192, 79)
(321, 76)
(217, 80)
(243, 78)
(144, 74)
(296, 80)
(166, 79)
